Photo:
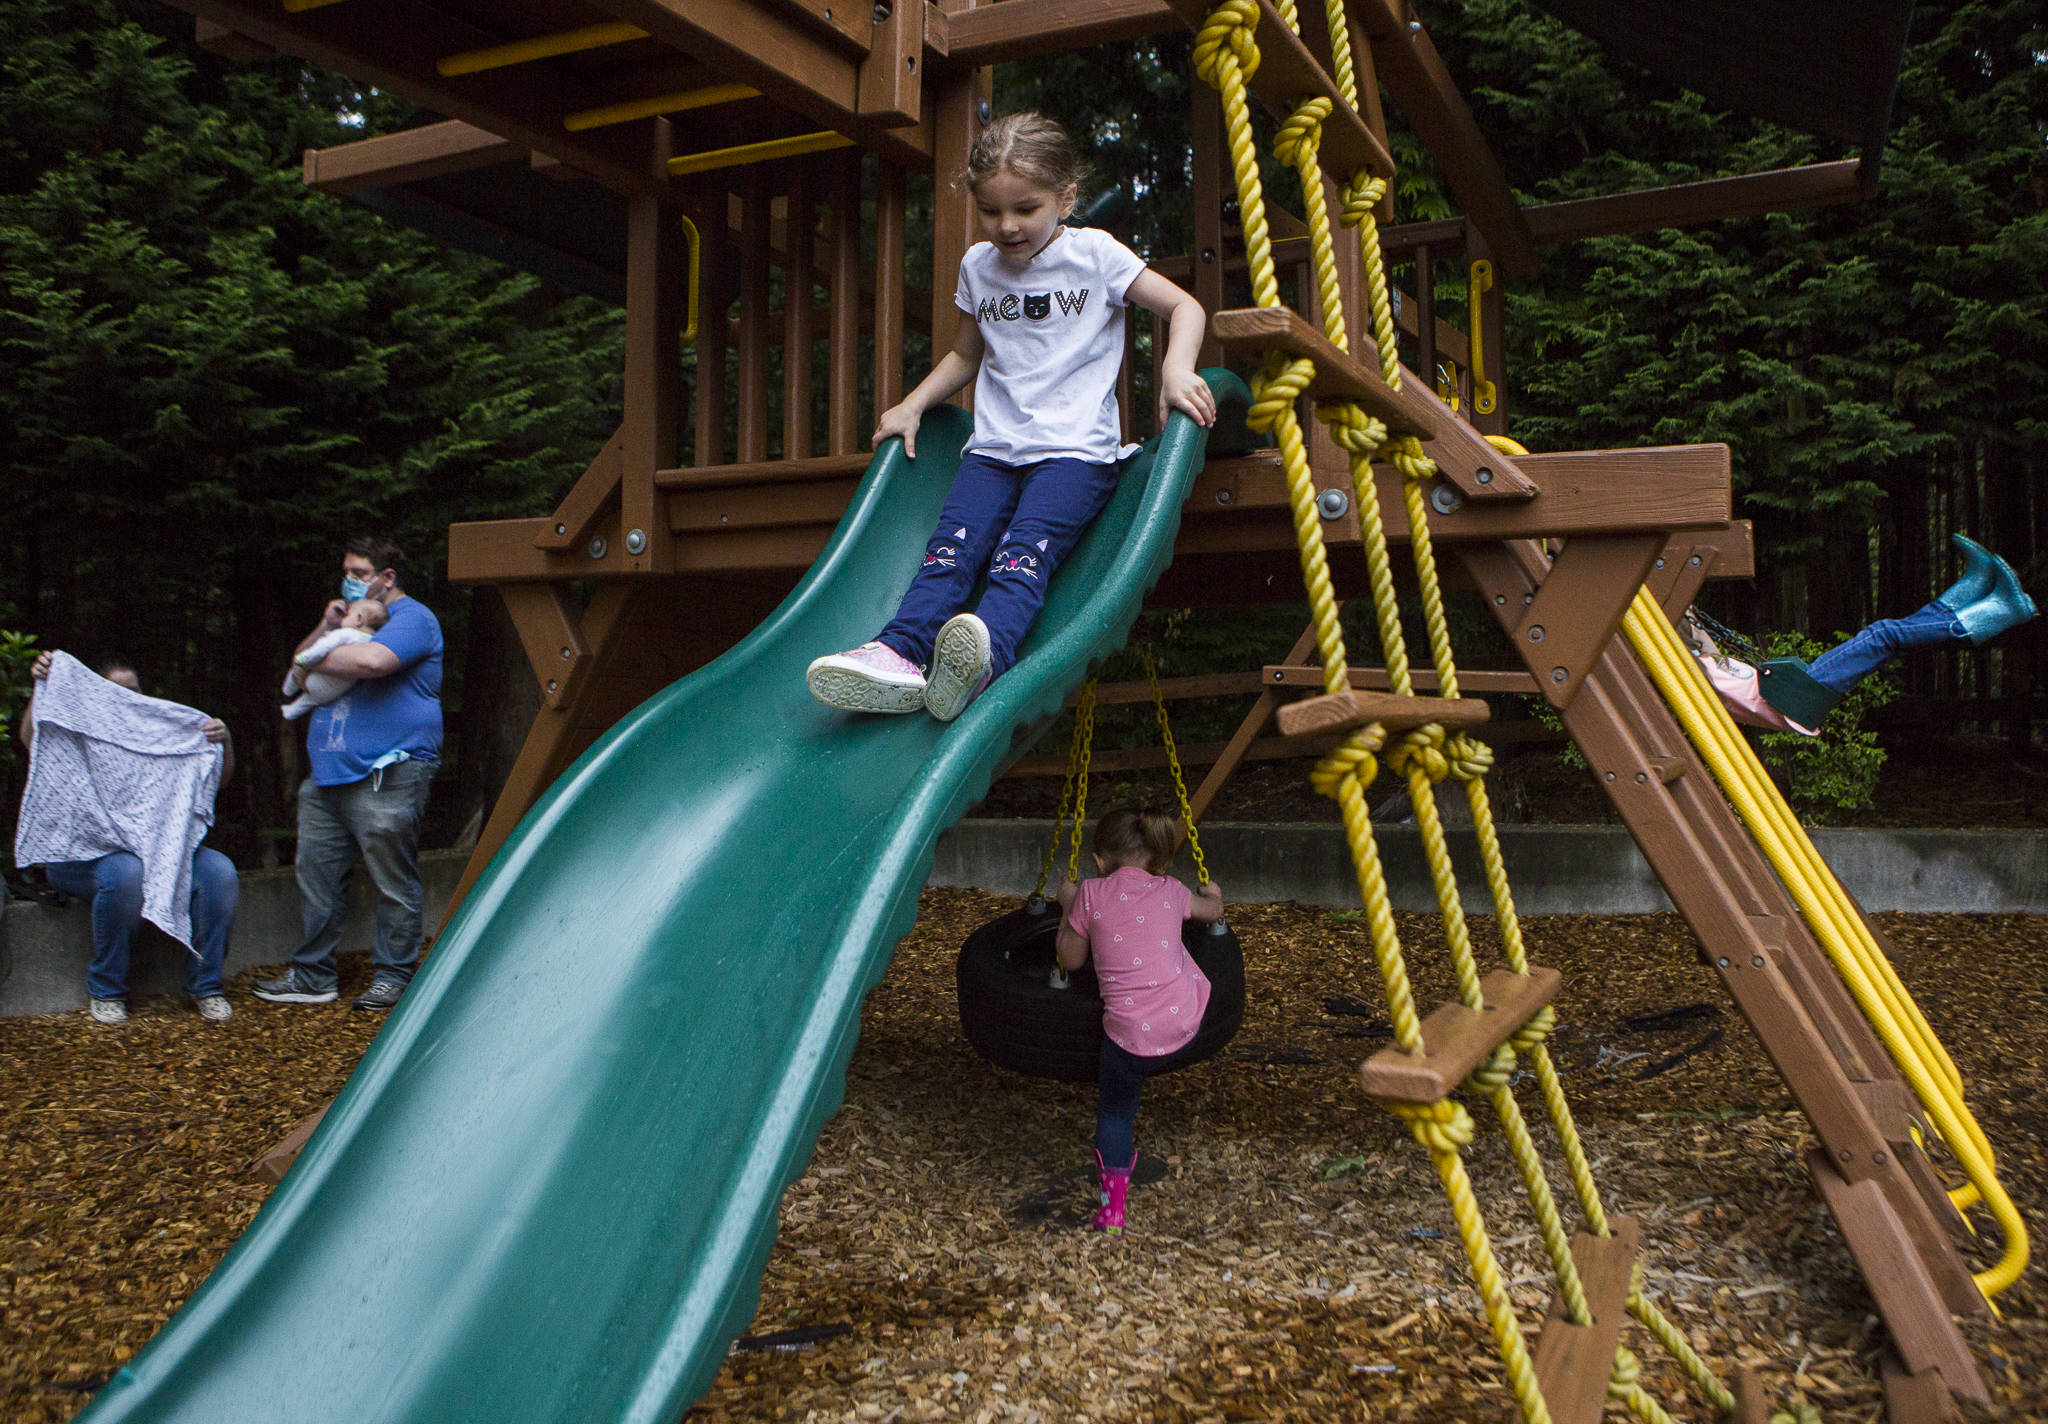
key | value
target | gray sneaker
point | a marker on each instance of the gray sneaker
(292, 989)
(960, 667)
(109, 1011)
(383, 993)
(214, 1008)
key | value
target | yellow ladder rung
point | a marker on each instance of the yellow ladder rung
(631, 109)
(758, 152)
(1457, 1039)
(476, 61)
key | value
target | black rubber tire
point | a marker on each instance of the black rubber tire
(1015, 1019)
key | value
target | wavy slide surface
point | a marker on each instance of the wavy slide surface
(550, 1187)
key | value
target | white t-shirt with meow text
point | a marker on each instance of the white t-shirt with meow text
(1054, 339)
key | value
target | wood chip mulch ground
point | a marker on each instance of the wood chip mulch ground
(1290, 1255)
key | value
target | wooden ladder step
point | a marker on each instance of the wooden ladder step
(1288, 72)
(1253, 331)
(1573, 1362)
(1455, 1039)
(1752, 1405)
(1341, 711)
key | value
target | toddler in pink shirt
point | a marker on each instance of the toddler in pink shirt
(1153, 993)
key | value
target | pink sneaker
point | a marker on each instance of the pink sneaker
(873, 677)
(960, 667)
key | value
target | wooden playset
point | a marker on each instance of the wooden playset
(721, 166)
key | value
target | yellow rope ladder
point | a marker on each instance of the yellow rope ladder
(1226, 54)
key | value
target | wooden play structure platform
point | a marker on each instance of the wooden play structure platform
(738, 172)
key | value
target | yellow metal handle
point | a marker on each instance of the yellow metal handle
(696, 258)
(1483, 394)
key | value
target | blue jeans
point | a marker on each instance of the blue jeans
(375, 820)
(1841, 668)
(113, 884)
(1119, 1080)
(1021, 521)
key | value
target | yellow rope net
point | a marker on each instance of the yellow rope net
(1226, 54)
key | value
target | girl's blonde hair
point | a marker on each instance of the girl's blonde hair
(1031, 146)
(1138, 836)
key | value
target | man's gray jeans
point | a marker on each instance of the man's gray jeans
(377, 821)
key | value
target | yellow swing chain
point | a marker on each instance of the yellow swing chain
(1180, 785)
(1079, 749)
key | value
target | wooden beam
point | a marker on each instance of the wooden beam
(547, 629)
(1470, 680)
(412, 156)
(765, 472)
(652, 414)
(1810, 185)
(791, 63)
(800, 229)
(996, 34)
(1580, 605)
(889, 89)
(1415, 76)
(890, 228)
(220, 40)
(596, 489)
(525, 106)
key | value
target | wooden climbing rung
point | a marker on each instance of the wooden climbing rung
(1573, 1362)
(1752, 1405)
(1253, 331)
(1455, 1039)
(1288, 73)
(1341, 711)
(272, 1165)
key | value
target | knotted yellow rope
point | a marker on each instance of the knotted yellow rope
(1225, 55)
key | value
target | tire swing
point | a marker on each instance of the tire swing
(1019, 1011)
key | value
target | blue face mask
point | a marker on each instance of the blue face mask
(353, 588)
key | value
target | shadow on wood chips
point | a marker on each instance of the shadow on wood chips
(1290, 1256)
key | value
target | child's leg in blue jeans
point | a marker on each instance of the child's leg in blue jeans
(1119, 1081)
(1060, 499)
(978, 508)
(1841, 668)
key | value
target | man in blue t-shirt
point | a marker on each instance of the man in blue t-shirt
(373, 754)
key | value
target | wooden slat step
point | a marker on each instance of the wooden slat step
(1341, 711)
(1901, 1282)
(1455, 1039)
(1915, 1399)
(1573, 1362)
(1752, 1405)
(1253, 331)
(1288, 73)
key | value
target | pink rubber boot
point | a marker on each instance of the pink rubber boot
(1115, 1182)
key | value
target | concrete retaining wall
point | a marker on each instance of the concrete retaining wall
(44, 952)
(1556, 870)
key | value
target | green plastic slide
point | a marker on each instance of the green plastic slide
(550, 1188)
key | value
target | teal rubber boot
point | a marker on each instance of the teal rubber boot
(2004, 606)
(1978, 574)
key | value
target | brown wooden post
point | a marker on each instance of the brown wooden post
(799, 244)
(960, 110)
(753, 342)
(714, 301)
(1205, 125)
(655, 274)
(842, 420)
(890, 222)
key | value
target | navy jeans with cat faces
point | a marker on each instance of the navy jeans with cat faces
(1021, 522)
